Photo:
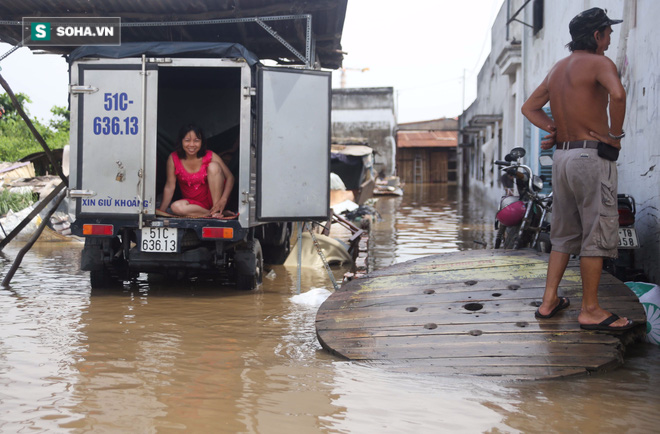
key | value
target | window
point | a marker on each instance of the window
(537, 11)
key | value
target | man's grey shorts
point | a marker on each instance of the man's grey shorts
(585, 219)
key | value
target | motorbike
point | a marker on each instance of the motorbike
(522, 221)
(623, 267)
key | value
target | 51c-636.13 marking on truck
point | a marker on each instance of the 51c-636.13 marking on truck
(115, 126)
(116, 101)
(106, 125)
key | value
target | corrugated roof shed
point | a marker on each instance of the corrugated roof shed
(427, 139)
(327, 23)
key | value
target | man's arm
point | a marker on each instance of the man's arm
(608, 77)
(532, 109)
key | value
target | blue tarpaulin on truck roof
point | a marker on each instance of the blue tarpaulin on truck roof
(166, 49)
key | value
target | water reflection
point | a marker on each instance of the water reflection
(429, 219)
(159, 356)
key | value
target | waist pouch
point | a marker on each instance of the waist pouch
(607, 152)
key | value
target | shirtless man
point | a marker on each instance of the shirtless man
(585, 217)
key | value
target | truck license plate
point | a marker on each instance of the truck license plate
(628, 238)
(159, 240)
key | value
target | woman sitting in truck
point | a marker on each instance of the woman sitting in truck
(204, 179)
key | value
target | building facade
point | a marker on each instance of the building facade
(528, 37)
(426, 151)
(367, 115)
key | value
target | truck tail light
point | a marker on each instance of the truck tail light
(107, 230)
(626, 217)
(212, 232)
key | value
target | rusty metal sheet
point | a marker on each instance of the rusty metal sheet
(327, 23)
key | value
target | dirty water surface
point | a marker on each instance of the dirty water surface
(160, 357)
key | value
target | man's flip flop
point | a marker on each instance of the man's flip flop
(605, 325)
(563, 304)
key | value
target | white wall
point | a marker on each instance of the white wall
(639, 164)
(497, 94)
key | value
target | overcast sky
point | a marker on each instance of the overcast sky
(421, 48)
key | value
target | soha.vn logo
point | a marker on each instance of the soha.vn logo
(40, 32)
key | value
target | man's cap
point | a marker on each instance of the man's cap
(587, 22)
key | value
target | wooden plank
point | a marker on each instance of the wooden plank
(448, 294)
(432, 314)
(502, 368)
(458, 311)
(566, 336)
(486, 342)
(584, 355)
(494, 361)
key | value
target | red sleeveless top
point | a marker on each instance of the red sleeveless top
(194, 186)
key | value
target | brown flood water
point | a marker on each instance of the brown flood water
(165, 357)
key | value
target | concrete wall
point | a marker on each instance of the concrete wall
(635, 49)
(638, 60)
(367, 113)
(491, 125)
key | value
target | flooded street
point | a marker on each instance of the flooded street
(156, 356)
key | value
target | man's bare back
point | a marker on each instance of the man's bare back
(577, 88)
(578, 101)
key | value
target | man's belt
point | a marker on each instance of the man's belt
(592, 144)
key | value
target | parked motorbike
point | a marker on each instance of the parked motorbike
(623, 267)
(522, 221)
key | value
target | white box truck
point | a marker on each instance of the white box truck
(127, 105)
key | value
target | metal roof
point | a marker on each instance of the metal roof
(327, 22)
(441, 124)
(426, 139)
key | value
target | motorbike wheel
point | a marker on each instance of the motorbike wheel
(500, 236)
(511, 236)
(543, 243)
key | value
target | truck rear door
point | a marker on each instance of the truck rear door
(293, 158)
(114, 135)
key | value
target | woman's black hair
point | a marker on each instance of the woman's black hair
(199, 132)
(586, 42)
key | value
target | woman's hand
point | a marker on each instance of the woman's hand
(218, 207)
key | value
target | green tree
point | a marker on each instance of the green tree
(16, 139)
(61, 120)
(7, 109)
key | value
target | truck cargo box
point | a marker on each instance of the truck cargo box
(127, 105)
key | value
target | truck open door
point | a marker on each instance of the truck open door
(293, 156)
(113, 142)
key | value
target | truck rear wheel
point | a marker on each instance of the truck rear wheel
(103, 279)
(277, 254)
(249, 266)
(276, 243)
